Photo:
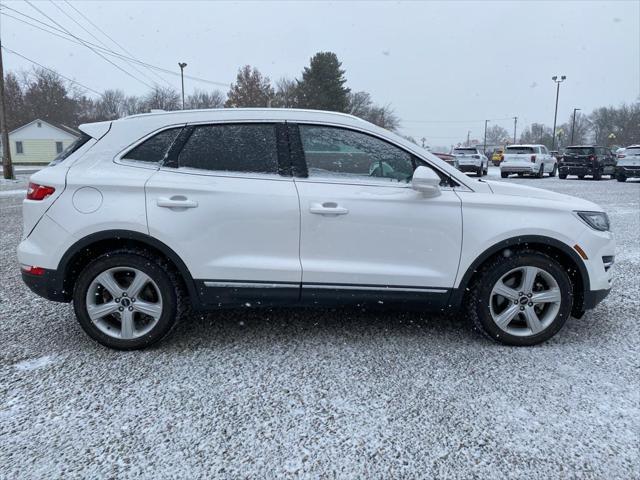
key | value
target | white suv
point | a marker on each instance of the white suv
(152, 216)
(470, 159)
(530, 159)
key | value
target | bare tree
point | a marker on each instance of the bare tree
(286, 94)
(497, 135)
(202, 99)
(360, 104)
(14, 102)
(383, 116)
(251, 89)
(162, 98)
(111, 105)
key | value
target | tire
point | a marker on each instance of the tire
(580, 177)
(540, 173)
(163, 298)
(486, 170)
(554, 170)
(485, 308)
(479, 171)
(504, 174)
(621, 177)
(562, 176)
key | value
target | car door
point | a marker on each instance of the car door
(222, 202)
(365, 233)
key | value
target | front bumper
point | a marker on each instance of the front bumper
(47, 285)
(593, 297)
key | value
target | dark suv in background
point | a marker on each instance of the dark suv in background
(584, 160)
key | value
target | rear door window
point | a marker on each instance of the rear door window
(520, 150)
(246, 148)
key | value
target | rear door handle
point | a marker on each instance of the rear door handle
(176, 201)
(327, 208)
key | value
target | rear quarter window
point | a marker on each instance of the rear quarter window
(154, 149)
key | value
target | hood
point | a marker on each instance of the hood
(515, 190)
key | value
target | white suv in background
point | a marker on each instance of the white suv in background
(628, 163)
(530, 159)
(471, 159)
(152, 216)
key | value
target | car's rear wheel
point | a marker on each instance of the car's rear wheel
(597, 174)
(479, 171)
(504, 174)
(128, 300)
(621, 177)
(562, 176)
(554, 170)
(523, 299)
(540, 171)
(580, 177)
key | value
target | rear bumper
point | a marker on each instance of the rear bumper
(47, 285)
(469, 168)
(629, 171)
(576, 169)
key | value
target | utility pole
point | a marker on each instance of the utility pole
(182, 65)
(573, 124)
(515, 125)
(468, 134)
(485, 137)
(423, 140)
(7, 166)
(555, 115)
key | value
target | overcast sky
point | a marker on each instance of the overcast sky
(443, 66)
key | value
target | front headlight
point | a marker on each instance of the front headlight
(596, 220)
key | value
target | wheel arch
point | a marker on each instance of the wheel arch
(88, 248)
(558, 250)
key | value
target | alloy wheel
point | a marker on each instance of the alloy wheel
(525, 301)
(124, 303)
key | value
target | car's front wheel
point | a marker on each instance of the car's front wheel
(128, 300)
(522, 299)
(621, 177)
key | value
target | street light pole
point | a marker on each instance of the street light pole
(485, 137)
(182, 65)
(468, 134)
(573, 124)
(555, 115)
(515, 125)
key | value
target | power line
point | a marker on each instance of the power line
(458, 121)
(51, 70)
(110, 38)
(99, 41)
(89, 47)
(104, 50)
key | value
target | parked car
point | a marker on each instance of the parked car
(528, 159)
(152, 216)
(497, 156)
(471, 159)
(628, 163)
(584, 160)
(446, 157)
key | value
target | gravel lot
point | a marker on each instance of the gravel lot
(331, 393)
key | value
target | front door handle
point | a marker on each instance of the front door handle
(327, 208)
(176, 201)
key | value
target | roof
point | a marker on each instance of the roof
(64, 128)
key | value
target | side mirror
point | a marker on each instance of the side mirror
(426, 181)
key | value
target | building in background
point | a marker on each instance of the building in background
(38, 142)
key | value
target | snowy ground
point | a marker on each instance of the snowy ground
(332, 393)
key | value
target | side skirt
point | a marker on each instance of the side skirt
(231, 293)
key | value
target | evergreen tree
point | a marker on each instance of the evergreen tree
(250, 90)
(322, 85)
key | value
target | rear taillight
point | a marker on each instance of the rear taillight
(533, 158)
(33, 270)
(620, 155)
(592, 158)
(39, 192)
(476, 156)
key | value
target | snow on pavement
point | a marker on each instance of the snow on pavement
(338, 393)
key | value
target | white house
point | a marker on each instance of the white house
(39, 142)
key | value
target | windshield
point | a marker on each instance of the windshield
(520, 150)
(579, 151)
(67, 152)
(632, 151)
